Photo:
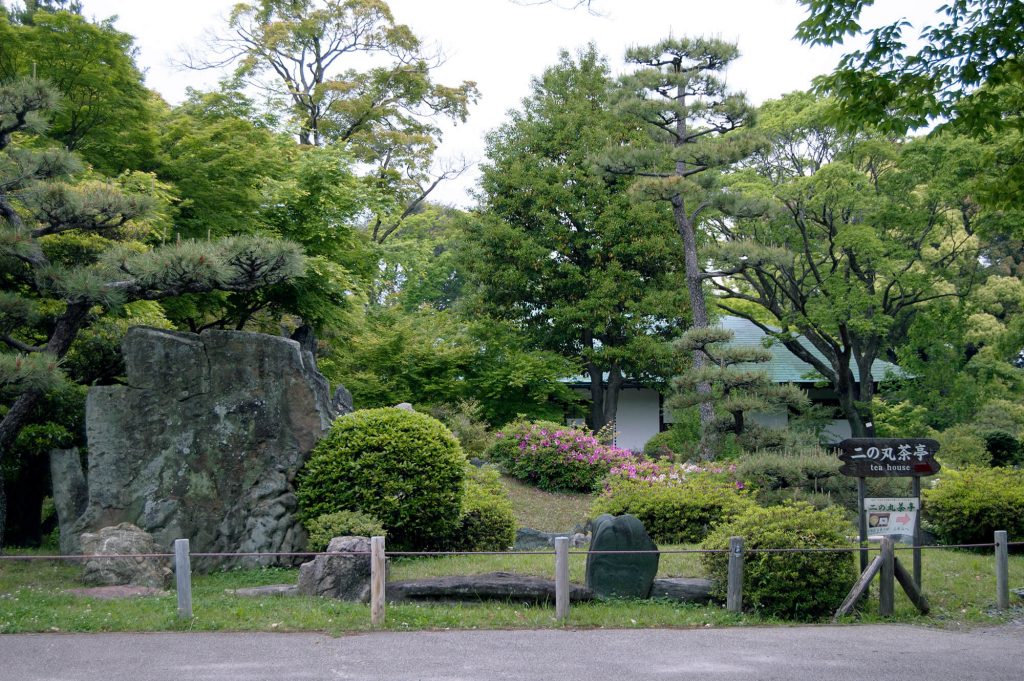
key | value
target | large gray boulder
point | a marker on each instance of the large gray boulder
(346, 577)
(123, 540)
(621, 575)
(202, 443)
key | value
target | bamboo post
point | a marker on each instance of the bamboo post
(734, 594)
(1002, 570)
(183, 578)
(561, 578)
(887, 581)
(377, 574)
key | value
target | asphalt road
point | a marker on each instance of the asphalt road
(852, 653)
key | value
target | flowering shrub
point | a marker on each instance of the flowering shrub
(677, 504)
(557, 458)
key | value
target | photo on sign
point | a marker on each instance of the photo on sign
(876, 520)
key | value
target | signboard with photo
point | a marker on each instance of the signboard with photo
(891, 515)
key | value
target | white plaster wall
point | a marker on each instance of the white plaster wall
(637, 418)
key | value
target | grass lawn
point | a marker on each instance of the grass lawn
(960, 586)
(547, 511)
(33, 598)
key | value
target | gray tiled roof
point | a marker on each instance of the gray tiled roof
(784, 366)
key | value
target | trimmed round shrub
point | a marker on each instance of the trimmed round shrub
(555, 458)
(966, 507)
(326, 527)
(674, 511)
(791, 585)
(403, 467)
(661, 446)
(488, 522)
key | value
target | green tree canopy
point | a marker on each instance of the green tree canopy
(858, 235)
(561, 251)
(106, 114)
(351, 76)
(72, 247)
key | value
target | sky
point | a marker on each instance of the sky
(502, 45)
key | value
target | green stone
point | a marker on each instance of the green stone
(621, 575)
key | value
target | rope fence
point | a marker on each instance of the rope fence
(378, 556)
(404, 554)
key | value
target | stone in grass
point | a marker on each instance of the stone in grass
(621, 575)
(345, 577)
(123, 539)
(529, 539)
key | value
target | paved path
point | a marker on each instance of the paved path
(854, 653)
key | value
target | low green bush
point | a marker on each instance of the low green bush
(961, 446)
(790, 585)
(808, 474)
(968, 506)
(403, 467)
(326, 527)
(466, 422)
(555, 458)
(669, 444)
(674, 511)
(488, 522)
(1004, 448)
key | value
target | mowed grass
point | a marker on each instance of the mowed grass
(34, 598)
(547, 511)
(33, 595)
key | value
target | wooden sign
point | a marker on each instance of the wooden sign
(873, 457)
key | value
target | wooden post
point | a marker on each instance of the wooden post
(734, 593)
(183, 577)
(915, 491)
(910, 586)
(378, 568)
(561, 578)
(1002, 570)
(862, 522)
(859, 589)
(887, 581)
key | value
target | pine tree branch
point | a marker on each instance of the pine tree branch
(19, 346)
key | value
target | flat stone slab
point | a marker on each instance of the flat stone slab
(269, 590)
(490, 586)
(684, 589)
(110, 593)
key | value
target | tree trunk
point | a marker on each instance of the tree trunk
(846, 390)
(64, 333)
(695, 289)
(611, 394)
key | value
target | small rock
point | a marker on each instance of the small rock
(404, 405)
(345, 577)
(123, 539)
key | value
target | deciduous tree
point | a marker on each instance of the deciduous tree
(562, 252)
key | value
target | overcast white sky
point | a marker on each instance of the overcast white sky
(502, 45)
